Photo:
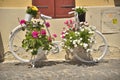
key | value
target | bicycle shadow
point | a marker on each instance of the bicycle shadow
(40, 64)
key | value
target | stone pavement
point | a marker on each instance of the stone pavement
(108, 69)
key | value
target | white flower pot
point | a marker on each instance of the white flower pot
(28, 17)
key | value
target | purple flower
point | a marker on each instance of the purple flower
(47, 24)
(35, 34)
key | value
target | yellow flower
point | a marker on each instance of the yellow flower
(34, 8)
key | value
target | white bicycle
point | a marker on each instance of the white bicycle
(16, 37)
(99, 49)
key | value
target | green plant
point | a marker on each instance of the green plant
(36, 36)
(77, 36)
(32, 10)
(80, 10)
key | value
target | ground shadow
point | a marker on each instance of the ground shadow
(40, 64)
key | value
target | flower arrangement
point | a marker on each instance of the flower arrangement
(81, 13)
(80, 10)
(36, 36)
(32, 10)
(77, 36)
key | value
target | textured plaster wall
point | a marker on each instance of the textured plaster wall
(9, 20)
(15, 3)
(94, 2)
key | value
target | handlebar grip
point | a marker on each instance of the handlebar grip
(71, 12)
(45, 16)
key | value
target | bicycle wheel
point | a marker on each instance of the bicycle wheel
(99, 49)
(15, 44)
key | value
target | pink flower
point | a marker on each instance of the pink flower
(63, 33)
(43, 32)
(47, 24)
(55, 35)
(64, 28)
(49, 39)
(22, 21)
(71, 21)
(66, 22)
(63, 36)
(35, 34)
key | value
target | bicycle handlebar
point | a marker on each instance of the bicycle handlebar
(71, 12)
(45, 16)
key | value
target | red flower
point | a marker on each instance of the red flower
(49, 39)
(35, 34)
(43, 32)
(63, 33)
(54, 35)
(69, 23)
(47, 24)
(22, 21)
(63, 36)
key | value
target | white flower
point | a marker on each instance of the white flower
(62, 35)
(88, 50)
(71, 50)
(75, 45)
(66, 46)
(77, 33)
(81, 44)
(91, 32)
(82, 29)
(81, 23)
(85, 45)
(70, 37)
(35, 21)
(70, 40)
(74, 42)
(66, 33)
(86, 24)
(78, 41)
(62, 44)
(34, 25)
(64, 39)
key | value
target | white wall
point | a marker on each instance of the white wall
(8, 21)
(95, 17)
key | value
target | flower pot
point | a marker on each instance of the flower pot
(41, 54)
(80, 52)
(28, 17)
(81, 17)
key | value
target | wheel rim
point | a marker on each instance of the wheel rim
(99, 49)
(15, 45)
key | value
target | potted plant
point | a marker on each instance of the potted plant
(31, 11)
(36, 37)
(77, 39)
(81, 13)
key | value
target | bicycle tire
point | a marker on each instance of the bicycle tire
(12, 38)
(104, 47)
(15, 43)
